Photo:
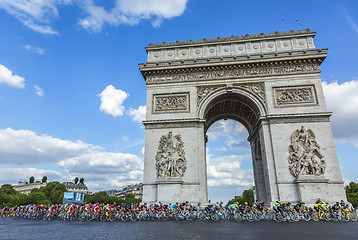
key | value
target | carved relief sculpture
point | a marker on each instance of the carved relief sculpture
(295, 95)
(256, 88)
(305, 154)
(171, 102)
(253, 71)
(202, 92)
(170, 158)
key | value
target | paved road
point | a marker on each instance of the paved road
(28, 229)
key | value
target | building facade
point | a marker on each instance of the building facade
(270, 83)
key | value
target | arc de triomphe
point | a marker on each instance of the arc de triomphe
(268, 82)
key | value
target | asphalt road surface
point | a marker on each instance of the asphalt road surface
(29, 229)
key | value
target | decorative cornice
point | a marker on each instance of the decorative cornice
(300, 55)
(296, 118)
(233, 38)
(173, 123)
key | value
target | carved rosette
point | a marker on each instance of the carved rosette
(170, 158)
(305, 154)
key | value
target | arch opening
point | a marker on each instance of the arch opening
(228, 160)
(246, 114)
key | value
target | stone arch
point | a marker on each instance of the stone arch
(269, 82)
(232, 103)
(248, 109)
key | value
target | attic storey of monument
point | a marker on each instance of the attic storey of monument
(271, 84)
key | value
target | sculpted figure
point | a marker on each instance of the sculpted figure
(305, 154)
(170, 158)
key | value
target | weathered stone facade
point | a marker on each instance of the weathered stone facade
(271, 84)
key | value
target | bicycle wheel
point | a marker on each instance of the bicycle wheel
(278, 217)
(202, 216)
(315, 217)
(306, 217)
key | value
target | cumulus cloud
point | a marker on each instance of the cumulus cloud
(227, 171)
(35, 14)
(39, 91)
(138, 114)
(25, 146)
(130, 12)
(7, 77)
(231, 132)
(101, 169)
(37, 50)
(13, 175)
(342, 100)
(105, 169)
(38, 14)
(112, 100)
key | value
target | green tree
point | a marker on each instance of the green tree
(130, 199)
(76, 180)
(102, 197)
(247, 196)
(44, 179)
(82, 180)
(54, 192)
(352, 193)
(32, 179)
(7, 189)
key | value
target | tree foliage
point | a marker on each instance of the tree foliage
(76, 180)
(103, 197)
(247, 196)
(44, 179)
(352, 193)
(52, 193)
(82, 180)
(32, 179)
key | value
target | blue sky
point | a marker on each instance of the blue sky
(72, 97)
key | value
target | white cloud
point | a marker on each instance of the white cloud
(227, 171)
(138, 114)
(39, 91)
(130, 12)
(27, 147)
(35, 14)
(37, 50)
(13, 175)
(101, 169)
(7, 77)
(231, 132)
(112, 100)
(342, 100)
(221, 149)
(104, 170)
(351, 22)
(125, 138)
